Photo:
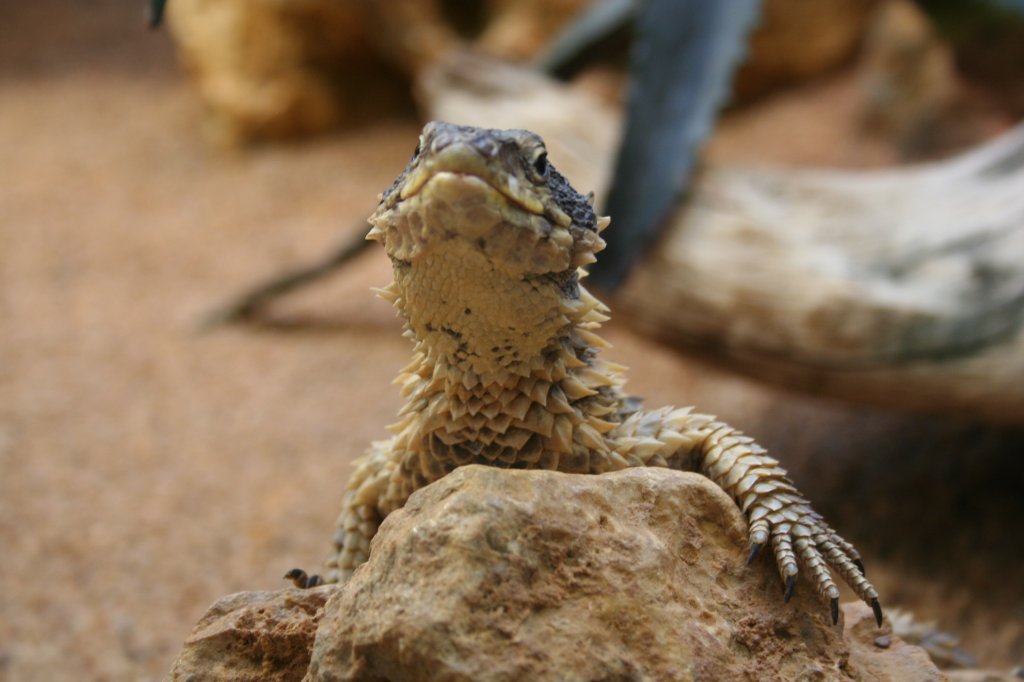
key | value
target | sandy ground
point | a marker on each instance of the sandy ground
(147, 468)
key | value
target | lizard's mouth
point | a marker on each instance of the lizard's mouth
(509, 191)
(502, 226)
(490, 198)
(503, 175)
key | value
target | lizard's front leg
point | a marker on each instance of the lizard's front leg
(372, 493)
(776, 511)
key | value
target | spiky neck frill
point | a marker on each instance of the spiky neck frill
(475, 394)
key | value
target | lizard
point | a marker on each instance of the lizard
(488, 244)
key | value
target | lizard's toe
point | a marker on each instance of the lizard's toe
(837, 553)
(801, 539)
(782, 545)
(302, 580)
(758, 532)
(849, 550)
(812, 559)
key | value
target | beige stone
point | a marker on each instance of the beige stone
(252, 636)
(797, 40)
(1014, 675)
(269, 69)
(878, 654)
(510, 575)
(492, 574)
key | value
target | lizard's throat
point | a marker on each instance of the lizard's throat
(463, 310)
(505, 369)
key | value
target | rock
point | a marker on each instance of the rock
(491, 574)
(797, 40)
(509, 575)
(267, 69)
(888, 659)
(253, 636)
(942, 647)
(1015, 675)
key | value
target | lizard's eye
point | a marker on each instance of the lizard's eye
(540, 164)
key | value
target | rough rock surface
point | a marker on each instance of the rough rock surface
(639, 574)
(1014, 675)
(796, 41)
(877, 654)
(268, 69)
(253, 636)
(509, 575)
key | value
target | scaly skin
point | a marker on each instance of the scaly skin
(487, 241)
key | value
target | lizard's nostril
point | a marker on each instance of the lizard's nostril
(486, 145)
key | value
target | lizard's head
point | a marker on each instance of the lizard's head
(493, 191)
(485, 238)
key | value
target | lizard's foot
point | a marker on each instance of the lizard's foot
(799, 535)
(302, 580)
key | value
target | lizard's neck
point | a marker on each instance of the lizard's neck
(464, 311)
(505, 369)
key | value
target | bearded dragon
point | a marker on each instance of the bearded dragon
(488, 243)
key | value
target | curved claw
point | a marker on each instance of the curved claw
(877, 608)
(802, 541)
(790, 586)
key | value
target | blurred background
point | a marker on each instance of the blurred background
(149, 465)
